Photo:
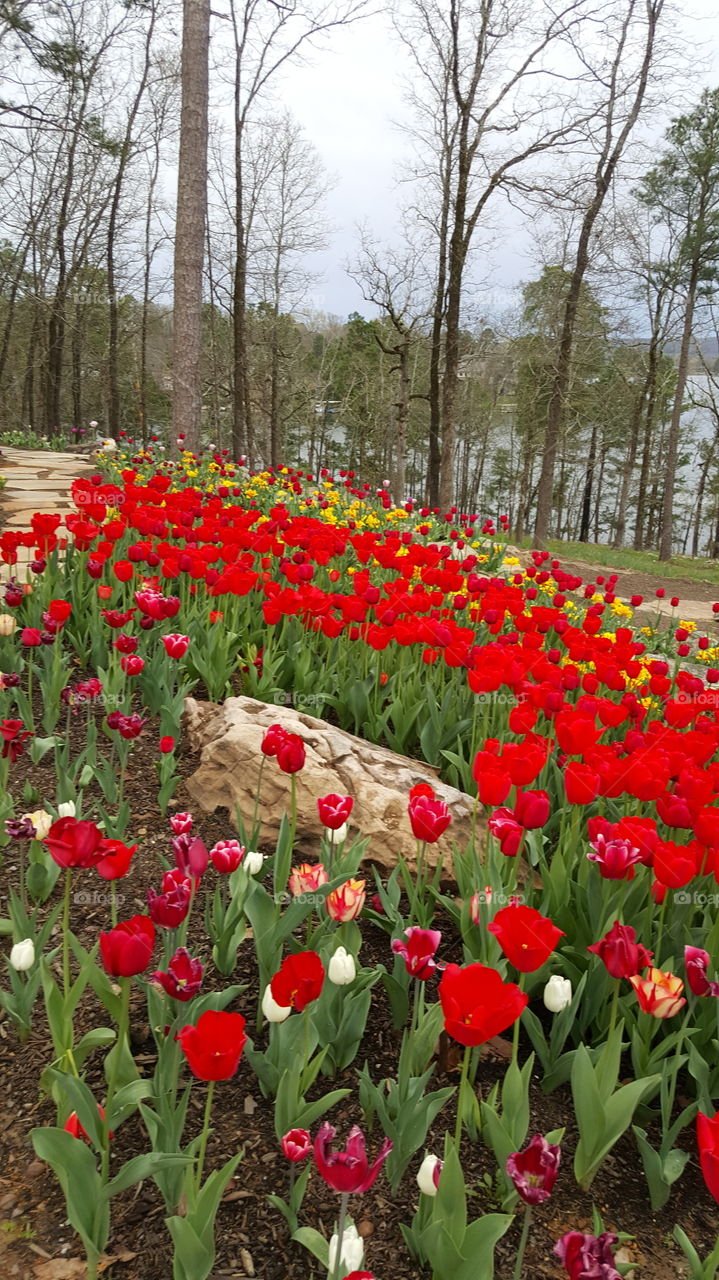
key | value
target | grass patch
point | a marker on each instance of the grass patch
(688, 567)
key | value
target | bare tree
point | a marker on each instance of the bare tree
(683, 192)
(623, 79)
(289, 224)
(265, 38)
(394, 281)
(489, 82)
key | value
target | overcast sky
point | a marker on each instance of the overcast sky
(349, 98)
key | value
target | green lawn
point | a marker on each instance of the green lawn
(696, 569)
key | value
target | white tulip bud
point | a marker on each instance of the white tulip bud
(7, 624)
(22, 956)
(352, 1250)
(426, 1175)
(66, 810)
(336, 837)
(557, 994)
(342, 969)
(273, 1011)
(253, 862)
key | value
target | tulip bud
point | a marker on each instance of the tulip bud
(7, 624)
(341, 969)
(66, 810)
(557, 994)
(273, 1011)
(338, 835)
(253, 863)
(428, 1175)
(22, 956)
(352, 1250)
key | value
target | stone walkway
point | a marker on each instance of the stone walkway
(36, 481)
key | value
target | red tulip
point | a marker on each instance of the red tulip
(183, 978)
(534, 1170)
(115, 860)
(71, 843)
(298, 981)
(505, 828)
(696, 963)
(132, 664)
(615, 858)
(213, 1047)
(291, 753)
(334, 810)
(418, 951)
(708, 1143)
(272, 739)
(126, 950)
(181, 823)
(297, 1145)
(619, 951)
(14, 735)
(531, 809)
(429, 818)
(477, 1004)
(72, 1125)
(348, 1170)
(526, 937)
(169, 908)
(175, 645)
(581, 784)
(588, 1256)
(226, 856)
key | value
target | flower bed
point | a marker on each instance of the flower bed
(571, 961)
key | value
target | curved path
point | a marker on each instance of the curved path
(36, 481)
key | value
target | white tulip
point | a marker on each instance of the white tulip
(22, 956)
(66, 810)
(41, 821)
(273, 1011)
(352, 1250)
(336, 837)
(425, 1175)
(342, 969)
(557, 994)
(253, 862)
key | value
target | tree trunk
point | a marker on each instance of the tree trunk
(402, 419)
(190, 224)
(651, 400)
(588, 485)
(670, 473)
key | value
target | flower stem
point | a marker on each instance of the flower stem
(66, 934)
(338, 1268)
(123, 1022)
(205, 1135)
(517, 1275)
(460, 1096)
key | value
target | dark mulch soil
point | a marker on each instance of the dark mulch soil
(35, 1241)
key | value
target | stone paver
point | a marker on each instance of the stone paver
(35, 481)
